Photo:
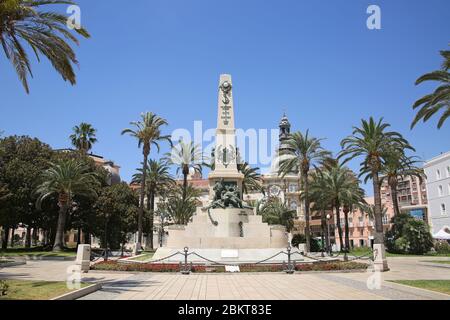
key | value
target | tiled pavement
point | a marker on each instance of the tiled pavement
(247, 286)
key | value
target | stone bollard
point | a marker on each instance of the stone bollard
(380, 262)
(302, 248)
(83, 257)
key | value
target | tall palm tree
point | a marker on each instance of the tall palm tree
(45, 32)
(440, 98)
(353, 199)
(66, 179)
(397, 166)
(338, 186)
(321, 201)
(252, 178)
(303, 152)
(83, 137)
(186, 156)
(371, 142)
(148, 132)
(158, 180)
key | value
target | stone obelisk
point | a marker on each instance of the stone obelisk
(226, 156)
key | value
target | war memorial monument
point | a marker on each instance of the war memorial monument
(227, 230)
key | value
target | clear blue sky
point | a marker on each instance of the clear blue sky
(316, 59)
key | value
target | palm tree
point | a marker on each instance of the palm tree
(338, 186)
(66, 179)
(148, 132)
(353, 199)
(186, 156)
(158, 180)
(178, 209)
(21, 22)
(304, 151)
(321, 201)
(83, 137)
(440, 98)
(372, 142)
(397, 166)
(369, 209)
(252, 178)
(274, 211)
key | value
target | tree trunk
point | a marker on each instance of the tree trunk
(323, 224)
(395, 199)
(185, 183)
(60, 227)
(306, 198)
(378, 236)
(34, 236)
(152, 216)
(28, 237)
(346, 230)
(78, 237)
(141, 204)
(339, 227)
(5, 238)
(13, 229)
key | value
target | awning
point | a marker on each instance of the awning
(443, 234)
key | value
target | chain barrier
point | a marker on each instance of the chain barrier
(186, 267)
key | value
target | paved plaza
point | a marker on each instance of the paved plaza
(246, 286)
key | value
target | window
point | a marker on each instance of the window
(293, 187)
(448, 171)
(443, 209)
(440, 190)
(385, 219)
(293, 205)
(438, 174)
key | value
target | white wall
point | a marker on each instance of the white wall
(435, 199)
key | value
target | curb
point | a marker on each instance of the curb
(412, 288)
(43, 258)
(79, 293)
(12, 264)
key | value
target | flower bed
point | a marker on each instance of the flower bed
(171, 267)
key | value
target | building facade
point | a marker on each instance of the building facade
(437, 171)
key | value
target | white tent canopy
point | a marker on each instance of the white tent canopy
(443, 234)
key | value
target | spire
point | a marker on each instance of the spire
(285, 131)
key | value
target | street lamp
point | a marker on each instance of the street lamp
(328, 238)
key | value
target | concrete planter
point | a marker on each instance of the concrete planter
(80, 292)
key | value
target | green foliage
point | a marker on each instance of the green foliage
(116, 212)
(442, 247)
(439, 100)
(179, 210)
(24, 22)
(274, 211)
(252, 178)
(408, 235)
(83, 137)
(3, 288)
(300, 238)
(22, 160)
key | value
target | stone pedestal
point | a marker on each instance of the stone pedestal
(229, 228)
(380, 262)
(83, 260)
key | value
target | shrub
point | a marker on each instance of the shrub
(3, 288)
(408, 235)
(442, 247)
(300, 238)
